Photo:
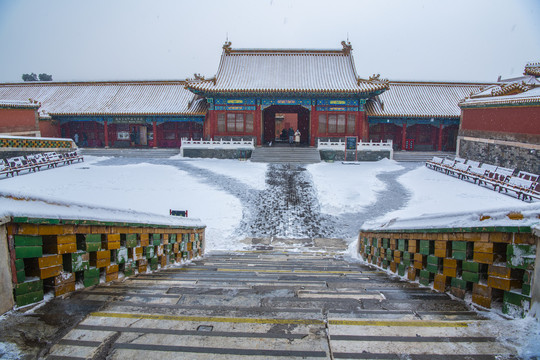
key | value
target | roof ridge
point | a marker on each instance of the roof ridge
(95, 83)
(286, 51)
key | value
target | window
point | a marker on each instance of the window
(239, 122)
(249, 123)
(231, 122)
(351, 124)
(221, 123)
(337, 123)
(322, 124)
(332, 124)
(341, 124)
(235, 123)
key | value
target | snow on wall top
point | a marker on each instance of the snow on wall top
(109, 98)
(19, 103)
(32, 207)
(491, 96)
(281, 70)
(490, 218)
(417, 99)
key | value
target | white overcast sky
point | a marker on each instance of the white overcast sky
(428, 40)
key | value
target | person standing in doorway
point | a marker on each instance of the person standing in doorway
(76, 139)
(297, 137)
(291, 136)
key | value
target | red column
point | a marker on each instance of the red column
(403, 136)
(257, 124)
(439, 146)
(365, 126)
(106, 130)
(154, 129)
(314, 126)
(212, 124)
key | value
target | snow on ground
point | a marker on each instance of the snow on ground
(352, 191)
(349, 188)
(251, 174)
(435, 193)
(140, 187)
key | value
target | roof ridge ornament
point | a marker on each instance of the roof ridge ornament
(227, 47)
(532, 69)
(347, 47)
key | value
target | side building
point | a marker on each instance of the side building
(115, 114)
(500, 125)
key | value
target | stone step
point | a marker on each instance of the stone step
(286, 155)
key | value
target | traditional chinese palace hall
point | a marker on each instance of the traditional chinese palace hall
(256, 93)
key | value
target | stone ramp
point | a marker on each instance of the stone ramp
(275, 304)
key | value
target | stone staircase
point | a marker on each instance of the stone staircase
(420, 156)
(286, 154)
(132, 153)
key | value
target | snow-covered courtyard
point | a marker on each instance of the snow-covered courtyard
(240, 199)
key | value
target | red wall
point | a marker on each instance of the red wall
(516, 119)
(17, 120)
(49, 128)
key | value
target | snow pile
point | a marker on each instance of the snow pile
(248, 173)
(349, 187)
(137, 189)
(436, 193)
(50, 208)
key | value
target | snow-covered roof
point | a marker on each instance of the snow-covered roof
(109, 98)
(519, 90)
(421, 99)
(54, 209)
(286, 71)
(490, 97)
(28, 103)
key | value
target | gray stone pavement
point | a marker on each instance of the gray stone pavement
(272, 304)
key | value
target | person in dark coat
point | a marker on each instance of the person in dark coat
(291, 136)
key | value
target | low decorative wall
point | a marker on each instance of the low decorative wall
(219, 149)
(12, 146)
(334, 150)
(59, 256)
(494, 264)
(339, 155)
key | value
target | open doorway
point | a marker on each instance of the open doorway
(278, 118)
(139, 135)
